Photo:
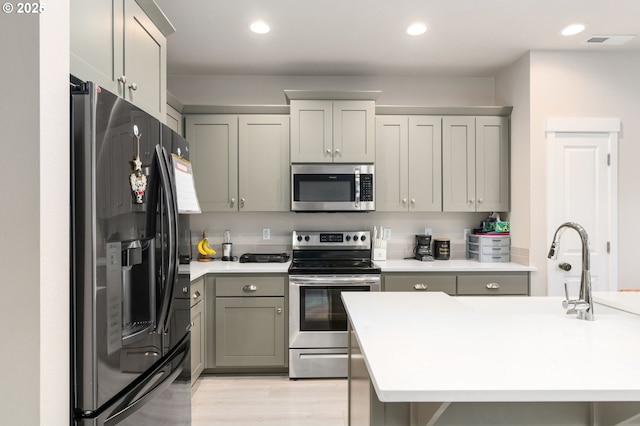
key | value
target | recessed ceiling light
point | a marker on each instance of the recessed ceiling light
(573, 29)
(416, 29)
(259, 27)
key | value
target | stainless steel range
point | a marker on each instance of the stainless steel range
(323, 265)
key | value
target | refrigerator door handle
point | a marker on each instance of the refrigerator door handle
(167, 186)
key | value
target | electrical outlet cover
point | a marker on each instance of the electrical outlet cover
(266, 233)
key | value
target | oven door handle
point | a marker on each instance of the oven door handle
(333, 279)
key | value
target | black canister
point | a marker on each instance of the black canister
(441, 249)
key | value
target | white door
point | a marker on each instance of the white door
(582, 188)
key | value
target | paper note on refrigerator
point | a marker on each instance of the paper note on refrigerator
(185, 186)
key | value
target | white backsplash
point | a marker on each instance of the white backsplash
(246, 229)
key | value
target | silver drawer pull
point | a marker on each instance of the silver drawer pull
(420, 286)
(196, 294)
(250, 288)
(493, 286)
(279, 310)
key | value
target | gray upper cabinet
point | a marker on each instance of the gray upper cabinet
(264, 178)
(115, 44)
(240, 163)
(475, 164)
(213, 145)
(408, 163)
(332, 131)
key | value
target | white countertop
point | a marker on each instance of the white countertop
(455, 265)
(624, 301)
(199, 269)
(432, 347)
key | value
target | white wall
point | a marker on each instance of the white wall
(269, 90)
(34, 309)
(582, 84)
(512, 88)
(246, 228)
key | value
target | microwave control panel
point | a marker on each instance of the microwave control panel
(366, 187)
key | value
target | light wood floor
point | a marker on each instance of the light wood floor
(269, 401)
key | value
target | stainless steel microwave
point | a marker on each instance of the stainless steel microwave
(332, 187)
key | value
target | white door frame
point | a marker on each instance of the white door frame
(556, 125)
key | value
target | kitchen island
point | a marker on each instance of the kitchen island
(432, 359)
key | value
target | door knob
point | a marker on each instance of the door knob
(565, 266)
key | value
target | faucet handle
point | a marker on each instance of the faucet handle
(573, 306)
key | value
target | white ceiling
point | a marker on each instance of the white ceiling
(367, 37)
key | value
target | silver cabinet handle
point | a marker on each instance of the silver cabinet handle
(471, 201)
(122, 79)
(337, 151)
(279, 310)
(233, 202)
(196, 294)
(404, 201)
(493, 286)
(242, 200)
(185, 290)
(420, 286)
(133, 86)
(250, 288)
(413, 201)
(479, 200)
(329, 151)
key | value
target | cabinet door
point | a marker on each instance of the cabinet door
(145, 62)
(264, 178)
(354, 132)
(197, 340)
(95, 42)
(425, 164)
(392, 163)
(458, 164)
(214, 153)
(492, 164)
(311, 131)
(250, 331)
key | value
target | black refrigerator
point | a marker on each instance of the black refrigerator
(130, 354)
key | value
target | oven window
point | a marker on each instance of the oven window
(324, 188)
(321, 308)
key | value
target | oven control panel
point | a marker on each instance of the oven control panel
(330, 239)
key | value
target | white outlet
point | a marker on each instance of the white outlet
(427, 231)
(266, 233)
(387, 233)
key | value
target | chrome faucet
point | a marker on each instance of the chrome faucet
(584, 304)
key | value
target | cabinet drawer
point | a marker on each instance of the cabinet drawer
(197, 291)
(421, 282)
(250, 286)
(503, 284)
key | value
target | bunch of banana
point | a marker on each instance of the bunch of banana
(204, 248)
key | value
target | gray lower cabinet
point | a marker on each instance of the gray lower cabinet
(197, 329)
(460, 283)
(493, 284)
(421, 282)
(246, 323)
